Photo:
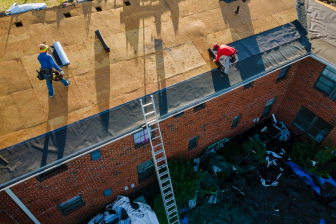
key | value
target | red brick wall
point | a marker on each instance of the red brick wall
(118, 166)
(301, 92)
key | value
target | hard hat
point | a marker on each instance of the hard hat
(215, 46)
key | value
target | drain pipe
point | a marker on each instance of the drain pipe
(21, 205)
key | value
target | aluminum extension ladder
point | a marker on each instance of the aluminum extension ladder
(161, 165)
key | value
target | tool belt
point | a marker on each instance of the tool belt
(51, 74)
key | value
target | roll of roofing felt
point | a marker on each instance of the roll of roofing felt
(61, 54)
(101, 38)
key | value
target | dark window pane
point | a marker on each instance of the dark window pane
(283, 73)
(318, 135)
(95, 155)
(72, 205)
(307, 115)
(303, 124)
(323, 88)
(327, 82)
(322, 124)
(192, 143)
(199, 107)
(145, 169)
(330, 73)
(235, 121)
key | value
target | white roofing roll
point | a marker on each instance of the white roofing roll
(59, 49)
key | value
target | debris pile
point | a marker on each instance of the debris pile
(248, 191)
(122, 211)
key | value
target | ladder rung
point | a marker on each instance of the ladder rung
(165, 180)
(166, 187)
(163, 173)
(168, 193)
(172, 216)
(162, 166)
(170, 199)
(175, 222)
(170, 206)
(152, 121)
(147, 104)
(157, 145)
(158, 152)
(152, 112)
(156, 137)
(171, 212)
(154, 129)
(160, 159)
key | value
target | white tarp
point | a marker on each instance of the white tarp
(15, 8)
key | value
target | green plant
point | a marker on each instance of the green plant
(222, 175)
(259, 150)
(227, 150)
(160, 210)
(185, 180)
(326, 154)
(302, 152)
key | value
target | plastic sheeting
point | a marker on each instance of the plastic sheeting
(15, 8)
(61, 55)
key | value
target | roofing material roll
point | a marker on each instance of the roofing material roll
(61, 54)
(101, 38)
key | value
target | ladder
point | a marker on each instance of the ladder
(160, 163)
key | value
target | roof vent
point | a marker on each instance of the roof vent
(67, 15)
(127, 3)
(18, 24)
(99, 9)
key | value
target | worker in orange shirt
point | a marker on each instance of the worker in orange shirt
(229, 52)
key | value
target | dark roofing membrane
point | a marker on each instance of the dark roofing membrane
(259, 53)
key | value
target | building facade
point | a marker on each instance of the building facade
(301, 95)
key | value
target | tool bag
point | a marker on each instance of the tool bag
(51, 74)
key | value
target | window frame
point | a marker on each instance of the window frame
(137, 145)
(199, 107)
(270, 108)
(311, 124)
(248, 85)
(52, 172)
(149, 167)
(238, 119)
(73, 209)
(94, 154)
(332, 94)
(195, 139)
(285, 74)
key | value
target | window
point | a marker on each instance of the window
(95, 155)
(268, 107)
(141, 138)
(312, 125)
(179, 115)
(72, 205)
(51, 173)
(283, 74)
(327, 82)
(108, 192)
(199, 107)
(193, 143)
(145, 170)
(248, 85)
(235, 121)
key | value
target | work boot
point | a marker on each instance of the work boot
(53, 95)
(68, 82)
(223, 74)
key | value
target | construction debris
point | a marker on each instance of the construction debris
(277, 191)
(15, 8)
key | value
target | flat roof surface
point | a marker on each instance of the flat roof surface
(154, 44)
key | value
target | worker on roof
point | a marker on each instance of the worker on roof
(47, 63)
(229, 52)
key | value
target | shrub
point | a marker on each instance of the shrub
(303, 152)
(185, 181)
(226, 151)
(160, 210)
(259, 149)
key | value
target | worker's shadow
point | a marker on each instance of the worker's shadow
(102, 80)
(54, 142)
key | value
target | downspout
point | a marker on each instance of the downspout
(297, 9)
(21, 205)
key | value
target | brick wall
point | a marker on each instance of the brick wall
(301, 92)
(118, 166)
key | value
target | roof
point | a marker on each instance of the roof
(144, 58)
